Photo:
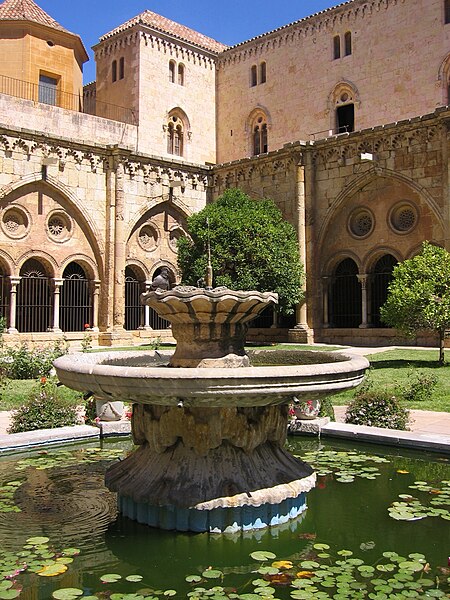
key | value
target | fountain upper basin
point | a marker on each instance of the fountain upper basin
(137, 377)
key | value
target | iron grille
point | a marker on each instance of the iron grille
(157, 322)
(75, 311)
(345, 296)
(34, 299)
(134, 311)
(264, 320)
(4, 298)
(380, 280)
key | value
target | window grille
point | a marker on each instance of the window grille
(34, 298)
(379, 282)
(4, 297)
(75, 311)
(345, 306)
(134, 311)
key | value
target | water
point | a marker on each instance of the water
(69, 504)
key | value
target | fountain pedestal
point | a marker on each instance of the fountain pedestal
(210, 428)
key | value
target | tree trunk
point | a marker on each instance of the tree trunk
(441, 347)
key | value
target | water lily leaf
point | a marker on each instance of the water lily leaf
(267, 571)
(263, 555)
(282, 564)
(193, 578)
(137, 578)
(212, 574)
(321, 547)
(110, 577)
(9, 594)
(67, 593)
(71, 551)
(38, 541)
(411, 565)
(170, 593)
(52, 570)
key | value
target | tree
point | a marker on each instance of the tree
(419, 294)
(252, 248)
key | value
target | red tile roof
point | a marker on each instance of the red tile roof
(165, 25)
(27, 10)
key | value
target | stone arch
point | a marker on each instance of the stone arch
(358, 183)
(178, 130)
(46, 259)
(7, 262)
(374, 256)
(85, 261)
(85, 220)
(332, 263)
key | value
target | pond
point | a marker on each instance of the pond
(61, 537)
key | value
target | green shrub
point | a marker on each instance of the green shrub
(24, 362)
(44, 409)
(420, 387)
(376, 408)
(326, 408)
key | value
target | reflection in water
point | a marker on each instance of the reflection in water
(69, 504)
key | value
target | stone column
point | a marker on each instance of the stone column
(14, 281)
(301, 332)
(95, 303)
(57, 283)
(119, 250)
(146, 324)
(363, 281)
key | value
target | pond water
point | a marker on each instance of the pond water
(58, 520)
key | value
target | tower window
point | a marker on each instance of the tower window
(114, 71)
(47, 89)
(447, 11)
(181, 74)
(254, 75)
(172, 71)
(345, 117)
(260, 139)
(348, 43)
(175, 137)
(262, 72)
(337, 47)
(122, 68)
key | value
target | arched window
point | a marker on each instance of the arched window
(134, 287)
(348, 43)
(343, 100)
(447, 11)
(337, 47)
(34, 298)
(263, 72)
(181, 74)
(175, 136)
(4, 296)
(122, 68)
(260, 140)
(172, 71)
(379, 282)
(75, 311)
(114, 71)
(254, 75)
(345, 307)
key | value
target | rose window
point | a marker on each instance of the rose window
(404, 218)
(59, 227)
(148, 238)
(15, 222)
(361, 223)
(56, 226)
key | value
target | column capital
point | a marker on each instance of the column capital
(14, 280)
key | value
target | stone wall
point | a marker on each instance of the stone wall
(397, 69)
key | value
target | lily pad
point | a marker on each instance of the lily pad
(110, 577)
(263, 555)
(67, 593)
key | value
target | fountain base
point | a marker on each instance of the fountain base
(216, 469)
(217, 520)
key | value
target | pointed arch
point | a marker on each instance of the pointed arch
(257, 126)
(342, 101)
(360, 182)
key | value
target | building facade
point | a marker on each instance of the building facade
(346, 133)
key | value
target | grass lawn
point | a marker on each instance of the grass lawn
(392, 370)
(16, 392)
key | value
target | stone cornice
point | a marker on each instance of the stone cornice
(156, 40)
(64, 149)
(329, 20)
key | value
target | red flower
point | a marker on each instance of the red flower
(87, 326)
(43, 380)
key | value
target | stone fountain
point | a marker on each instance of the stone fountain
(210, 427)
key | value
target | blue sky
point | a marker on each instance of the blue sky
(228, 22)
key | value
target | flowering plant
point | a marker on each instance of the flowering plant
(306, 409)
